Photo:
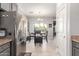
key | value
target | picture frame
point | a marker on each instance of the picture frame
(50, 25)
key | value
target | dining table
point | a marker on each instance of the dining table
(43, 35)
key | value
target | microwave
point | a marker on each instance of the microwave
(2, 32)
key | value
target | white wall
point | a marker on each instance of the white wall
(47, 21)
(74, 18)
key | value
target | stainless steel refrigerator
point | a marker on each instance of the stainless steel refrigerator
(10, 21)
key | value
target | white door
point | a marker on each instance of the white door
(61, 32)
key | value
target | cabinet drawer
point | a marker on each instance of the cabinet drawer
(6, 52)
(75, 44)
(5, 46)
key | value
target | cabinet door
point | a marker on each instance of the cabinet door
(6, 52)
(6, 6)
(5, 46)
(75, 52)
(14, 7)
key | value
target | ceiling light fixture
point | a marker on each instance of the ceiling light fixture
(39, 19)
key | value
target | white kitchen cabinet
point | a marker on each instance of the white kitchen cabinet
(62, 29)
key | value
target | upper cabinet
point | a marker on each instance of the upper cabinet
(8, 6)
(5, 6)
(14, 7)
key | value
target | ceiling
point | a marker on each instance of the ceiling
(38, 9)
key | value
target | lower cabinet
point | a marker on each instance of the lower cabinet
(75, 49)
(5, 50)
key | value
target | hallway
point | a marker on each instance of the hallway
(37, 23)
(47, 49)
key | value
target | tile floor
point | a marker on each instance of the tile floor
(47, 49)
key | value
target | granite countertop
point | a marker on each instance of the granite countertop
(4, 41)
(75, 38)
